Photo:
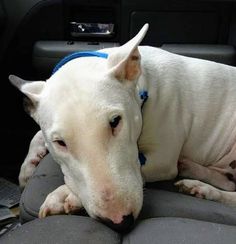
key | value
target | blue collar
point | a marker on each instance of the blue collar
(142, 94)
(78, 55)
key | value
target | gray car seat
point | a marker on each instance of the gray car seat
(166, 217)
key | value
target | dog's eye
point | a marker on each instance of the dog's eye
(115, 121)
(60, 143)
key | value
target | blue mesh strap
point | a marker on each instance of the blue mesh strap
(79, 55)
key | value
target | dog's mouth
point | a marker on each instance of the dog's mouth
(125, 226)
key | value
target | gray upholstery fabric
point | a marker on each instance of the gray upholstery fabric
(157, 202)
(83, 230)
(47, 178)
(166, 217)
(62, 229)
(180, 231)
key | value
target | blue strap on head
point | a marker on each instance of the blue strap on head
(79, 55)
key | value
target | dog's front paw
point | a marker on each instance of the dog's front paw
(198, 189)
(72, 204)
(51, 206)
(60, 201)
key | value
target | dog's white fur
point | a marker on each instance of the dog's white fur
(37, 150)
(190, 118)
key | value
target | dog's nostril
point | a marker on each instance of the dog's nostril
(126, 224)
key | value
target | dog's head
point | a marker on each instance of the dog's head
(91, 120)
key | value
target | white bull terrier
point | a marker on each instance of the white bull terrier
(94, 123)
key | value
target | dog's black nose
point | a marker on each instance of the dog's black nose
(126, 224)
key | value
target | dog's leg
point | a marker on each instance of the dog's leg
(37, 150)
(227, 165)
(205, 191)
(61, 200)
(229, 170)
(195, 171)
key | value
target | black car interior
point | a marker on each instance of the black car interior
(36, 34)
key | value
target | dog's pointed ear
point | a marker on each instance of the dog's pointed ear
(31, 89)
(124, 63)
